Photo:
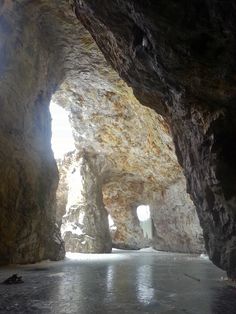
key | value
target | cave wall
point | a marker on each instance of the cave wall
(121, 198)
(84, 224)
(36, 52)
(131, 143)
(65, 167)
(28, 170)
(179, 59)
(175, 221)
(44, 43)
(83, 194)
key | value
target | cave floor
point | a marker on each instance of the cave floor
(121, 282)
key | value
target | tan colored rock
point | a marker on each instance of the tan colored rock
(121, 198)
(85, 224)
(131, 143)
(176, 224)
(179, 58)
(43, 46)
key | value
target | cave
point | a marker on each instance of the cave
(144, 91)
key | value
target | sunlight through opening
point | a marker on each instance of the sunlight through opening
(112, 225)
(143, 212)
(62, 138)
(144, 216)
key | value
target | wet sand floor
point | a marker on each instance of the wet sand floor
(121, 282)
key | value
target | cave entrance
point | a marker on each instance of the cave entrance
(112, 225)
(62, 137)
(145, 220)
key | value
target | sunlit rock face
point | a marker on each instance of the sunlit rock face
(65, 168)
(175, 220)
(179, 57)
(85, 224)
(130, 144)
(43, 46)
(121, 198)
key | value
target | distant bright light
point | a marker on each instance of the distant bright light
(62, 138)
(110, 220)
(143, 212)
(112, 225)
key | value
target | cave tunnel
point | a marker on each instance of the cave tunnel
(145, 102)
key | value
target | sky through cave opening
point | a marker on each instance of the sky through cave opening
(144, 217)
(62, 137)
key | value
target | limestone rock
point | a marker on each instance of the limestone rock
(131, 143)
(121, 198)
(85, 224)
(28, 170)
(179, 57)
(176, 224)
(44, 47)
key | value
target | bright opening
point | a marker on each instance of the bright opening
(62, 138)
(112, 225)
(143, 212)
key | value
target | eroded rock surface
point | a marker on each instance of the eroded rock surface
(28, 170)
(43, 47)
(179, 59)
(121, 198)
(175, 220)
(85, 224)
(130, 143)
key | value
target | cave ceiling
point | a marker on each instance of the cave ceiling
(130, 140)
